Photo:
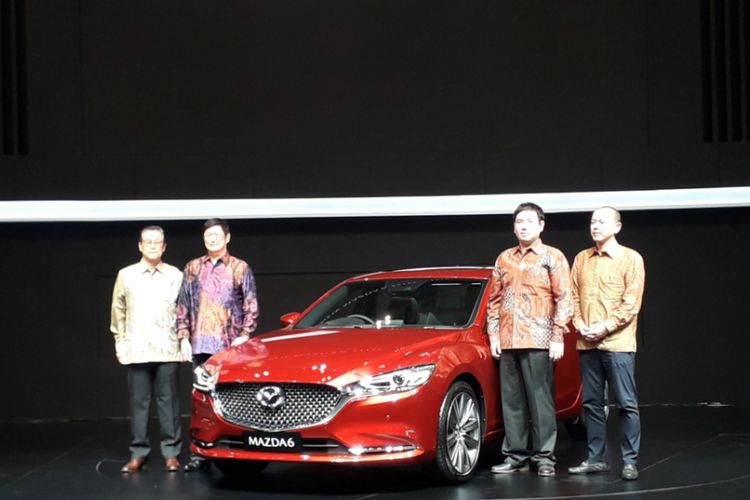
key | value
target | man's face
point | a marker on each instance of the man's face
(527, 227)
(604, 225)
(215, 239)
(152, 245)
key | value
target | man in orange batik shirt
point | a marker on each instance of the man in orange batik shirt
(608, 281)
(528, 312)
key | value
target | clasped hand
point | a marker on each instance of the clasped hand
(594, 332)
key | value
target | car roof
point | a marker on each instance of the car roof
(470, 272)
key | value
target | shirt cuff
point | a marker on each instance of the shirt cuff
(610, 325)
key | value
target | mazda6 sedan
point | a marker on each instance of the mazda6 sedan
(385, 368)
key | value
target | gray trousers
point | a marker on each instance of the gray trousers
(161, 379)
(527, 386)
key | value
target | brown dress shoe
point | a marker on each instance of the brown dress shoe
(172, 465)
(134, 465)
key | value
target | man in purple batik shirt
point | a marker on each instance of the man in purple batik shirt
(217, 306)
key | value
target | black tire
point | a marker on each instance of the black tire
(575, 428)
(239, 468)
(459, 435)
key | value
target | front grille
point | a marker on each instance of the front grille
(306, 405)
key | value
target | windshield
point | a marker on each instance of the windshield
(405, 303)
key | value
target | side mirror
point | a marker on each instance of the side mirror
(289, 318)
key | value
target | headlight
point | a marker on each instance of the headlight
(402, 380)
(205, 377)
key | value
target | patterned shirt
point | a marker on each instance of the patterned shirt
(143, 314)
(608, 287)
(530, 303)
(217, 303)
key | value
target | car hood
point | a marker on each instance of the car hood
(331, 356)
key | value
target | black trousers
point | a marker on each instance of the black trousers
(527, 386)
(161, 380)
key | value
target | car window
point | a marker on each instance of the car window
(410, 303)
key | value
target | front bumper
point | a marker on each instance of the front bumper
(397, 428)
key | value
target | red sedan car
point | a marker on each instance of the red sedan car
(390, 367)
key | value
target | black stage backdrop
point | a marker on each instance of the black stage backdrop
(257, 99)
(58, 281)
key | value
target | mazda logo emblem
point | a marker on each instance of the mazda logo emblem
(271, 396)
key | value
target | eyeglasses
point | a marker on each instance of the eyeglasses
(216, 235)
(154, 243)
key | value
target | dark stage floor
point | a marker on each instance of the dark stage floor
(687, 453)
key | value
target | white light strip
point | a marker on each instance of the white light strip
(393, 206)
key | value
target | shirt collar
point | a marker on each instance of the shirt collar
(535, 247)
(612, 248)
(144, 267)
(224, 259)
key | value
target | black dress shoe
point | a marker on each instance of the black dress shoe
(509, 468)
(630, 472)
(589, 468)
(134, 465)
(172, 464)
(545, 470)
(196, 464)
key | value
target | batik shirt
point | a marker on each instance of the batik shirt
(217, 303)
(608, 288)
(530, 298)
(143, 314)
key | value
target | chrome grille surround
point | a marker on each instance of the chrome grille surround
(306, 405)
(317, 446)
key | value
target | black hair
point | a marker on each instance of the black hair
(529, 206)
(216, 222)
